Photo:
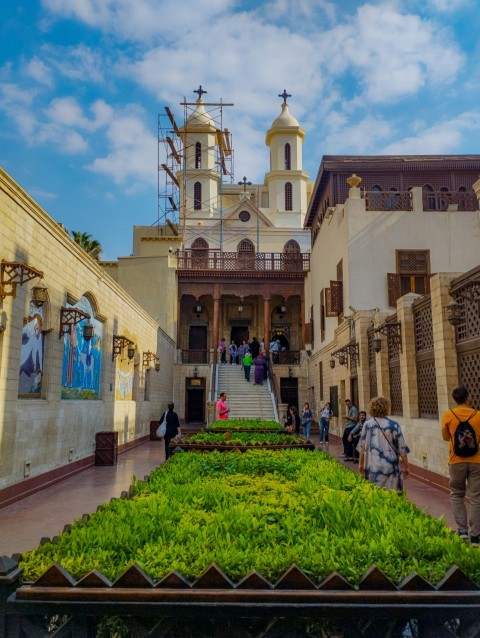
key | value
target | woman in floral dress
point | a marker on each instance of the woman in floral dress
(383, 451)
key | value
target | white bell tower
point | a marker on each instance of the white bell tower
(286, 180)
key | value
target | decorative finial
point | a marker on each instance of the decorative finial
(354, 180)
(200, 92)
(284, 95)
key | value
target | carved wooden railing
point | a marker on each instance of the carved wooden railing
(285, 357)
(255, 262)
(388, 200)
(194, 356)
(449, 200)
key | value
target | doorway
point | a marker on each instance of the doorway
(289, 390)
(195, 400)
(239, 334)
(197, 338)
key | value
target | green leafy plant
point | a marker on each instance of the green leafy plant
(246, 424)
(262, 510)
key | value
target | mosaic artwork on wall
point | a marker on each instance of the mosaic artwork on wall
(32, 355)
(124, 377)
(82, 360)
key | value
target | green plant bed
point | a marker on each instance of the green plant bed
(263, 511)
(224, 441)
(246, 425)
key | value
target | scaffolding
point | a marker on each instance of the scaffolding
(174, 145)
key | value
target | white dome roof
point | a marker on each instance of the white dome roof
(285, 119)
(200, 120)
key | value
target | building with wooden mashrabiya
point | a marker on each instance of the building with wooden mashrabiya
(391, 239)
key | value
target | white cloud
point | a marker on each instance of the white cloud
(39, 71)
(16, 103)
(447, 6)
(363, 137)
(143, 19)
(133, 158)
(79, 63)
(392, 54)
(444, 137)
(67, 112)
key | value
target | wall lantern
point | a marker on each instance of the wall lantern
(332, 363)
(281, 310)
(88, 331)
(377, 344)
(119, 343)
(70, 317)
(195, 372)
(240, 310)
(150, 356)
(393, 332)
(39, 295)
(343, 354)
(290, 372)
(198, 309)
(454, 312)
(131, 352)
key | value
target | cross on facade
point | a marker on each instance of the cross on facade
(284, 95)
(200, 92)
(245, 184)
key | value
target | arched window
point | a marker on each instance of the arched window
(288, 196)
(199, 253)
(292, 260)
(392, 201)
(246, 255)
(292, 247)
(288, 157)
(198, 155)
(429, 202)
(197, 196)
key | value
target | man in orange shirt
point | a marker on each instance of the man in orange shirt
(464, 467)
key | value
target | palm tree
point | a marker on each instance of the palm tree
(91, 246)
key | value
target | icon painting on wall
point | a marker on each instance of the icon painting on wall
(32, 355)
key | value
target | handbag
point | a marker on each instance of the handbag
(162, 428)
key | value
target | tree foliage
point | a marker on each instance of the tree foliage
(85, 240)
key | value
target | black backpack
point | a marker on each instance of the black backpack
(464, 438)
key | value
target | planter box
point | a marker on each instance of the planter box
(106, 448)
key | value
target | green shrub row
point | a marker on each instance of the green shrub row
(262, 510)
(245, 424)
(242, 438)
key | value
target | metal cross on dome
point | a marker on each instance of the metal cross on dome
(200, 92)
(284, 95)
(245, 184)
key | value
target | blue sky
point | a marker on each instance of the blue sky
(82, 83)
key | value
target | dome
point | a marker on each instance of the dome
(285, 119)
(200, 120)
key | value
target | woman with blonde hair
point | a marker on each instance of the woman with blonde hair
(383, 451)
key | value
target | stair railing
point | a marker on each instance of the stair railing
(274, 388)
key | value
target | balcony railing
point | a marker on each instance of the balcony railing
(449, 200)
(388, 200)
(432, 200)
(252, 262)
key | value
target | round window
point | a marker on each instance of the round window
(244, 216)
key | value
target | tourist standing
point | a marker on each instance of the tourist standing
(222, 348)
(464, 470)
(259, 369)
(383, 451)
(222, 407)
(247, 364)
(307, 420)
(351, 419)
(232, 349)
(172, 428)
(241, 352)
(254, 347)
(326, 414)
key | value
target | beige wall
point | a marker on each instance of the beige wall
(50, 432)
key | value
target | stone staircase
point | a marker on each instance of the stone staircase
(245, 400)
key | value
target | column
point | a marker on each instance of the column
(266, 319)
(302, 317)
(216, 318)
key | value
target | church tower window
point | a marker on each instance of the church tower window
(288, 157)
(288, 196)
(198, 155)
(197, 196)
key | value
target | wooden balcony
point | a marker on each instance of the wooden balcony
(218, 261)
